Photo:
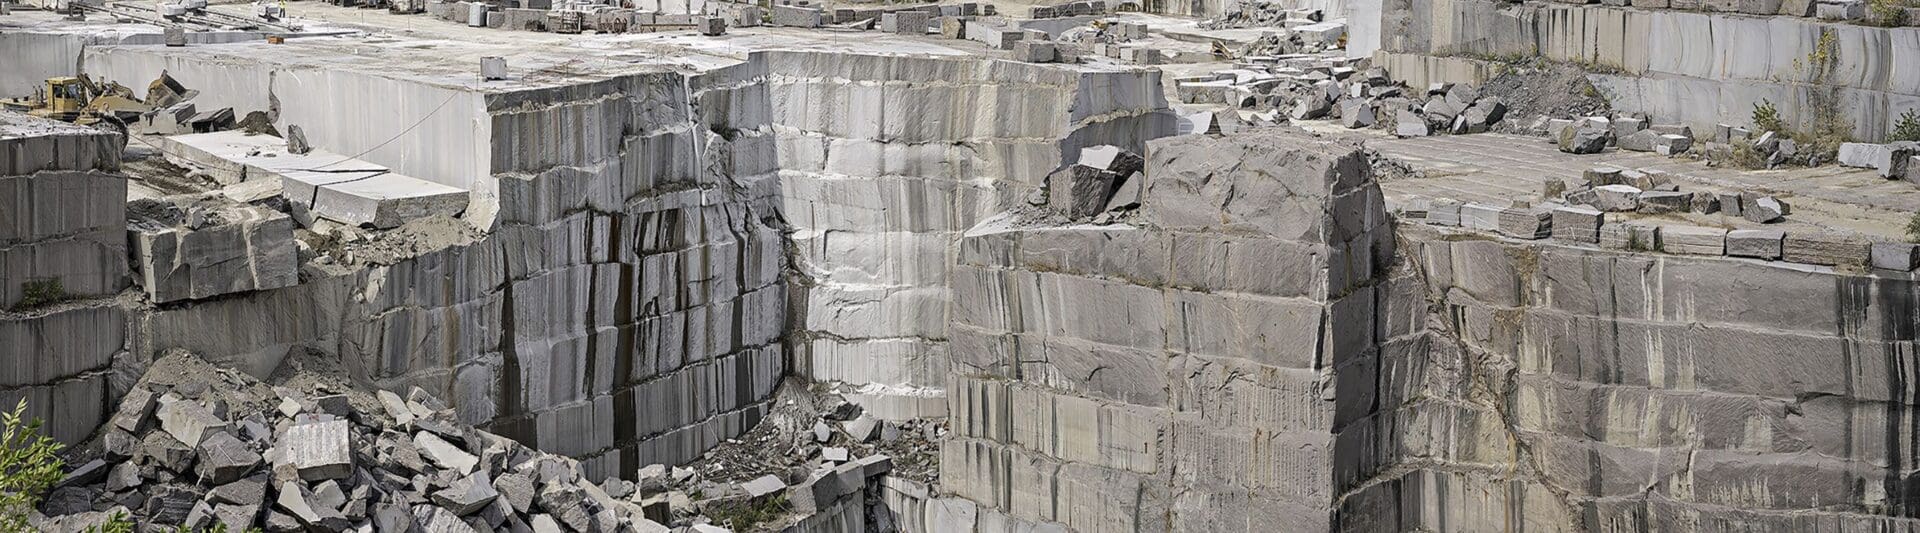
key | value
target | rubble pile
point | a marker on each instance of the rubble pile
(1319, 87)
(814, 449)
(1631, 132)
(1261, 14)
(201, 447)
(1105, 186)
(1615, 190)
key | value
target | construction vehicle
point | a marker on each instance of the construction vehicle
(110, 106)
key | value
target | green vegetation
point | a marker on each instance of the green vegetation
(746, 515)
(1766, 117)
(41, 292)
(30, 464)
(118, 523)
(1913, 228)
(1907, 128)
(1888, 12)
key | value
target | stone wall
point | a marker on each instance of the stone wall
(884, 160)
(63, 258)
(1680, 66)
(1192, 372)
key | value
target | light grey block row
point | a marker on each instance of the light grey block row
(60, 203)
(31, 144)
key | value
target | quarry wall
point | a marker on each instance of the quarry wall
(1679, 66)
(1193, 372)
(878, 193)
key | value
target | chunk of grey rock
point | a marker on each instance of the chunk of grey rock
(236, 517)
(135, 411)
(1410, 123)
(1609, 198)
(1356, 113)
(224, 459)
(1706, 203)
(188, 421)
(1755, 243)
(170, 504)
(763, 485)
(443, 453)
(821, 433)
(320, 450)
(516, 489)
(834, 454)
(1585, 140)
(395, 407)
(1638, 141)
(432, 519)
(1079, 191)
(1762, 209)
(469, 494)
(862, 429)
(294, 503)
(1670, 144)
(162, 450)
(1658, 202)
(1129, 193)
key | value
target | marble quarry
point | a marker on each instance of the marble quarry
(984, 267)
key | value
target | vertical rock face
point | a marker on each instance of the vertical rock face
(62, 252)
(1194, 372)
(1589, 390)
(885, 160)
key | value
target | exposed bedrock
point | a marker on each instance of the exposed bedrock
(1299, 364)
(877, 195)
(1680, 66)
(1192, 372)
(1567, 388)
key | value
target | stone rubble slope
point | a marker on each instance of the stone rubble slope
(203, 447)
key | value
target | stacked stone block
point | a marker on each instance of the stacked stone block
(62, 257)
(1190, 373)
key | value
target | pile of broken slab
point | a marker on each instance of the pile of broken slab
(1605, 209)
(1899, 160)
(201, 447)
(1103, 187)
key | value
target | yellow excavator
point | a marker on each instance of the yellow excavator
(110, 105)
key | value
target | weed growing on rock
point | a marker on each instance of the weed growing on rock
(1766, 117)
(1913, 228)
(41, 292)
(29, 465)
(1907, 128)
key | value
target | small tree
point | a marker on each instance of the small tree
(1907, 128)
(29, 465)
(1767, 118)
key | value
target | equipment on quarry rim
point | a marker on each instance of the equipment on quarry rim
(108, 106)
(1220, 51)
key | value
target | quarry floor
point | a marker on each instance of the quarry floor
(1497, 168)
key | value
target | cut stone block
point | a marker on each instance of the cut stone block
(1443, 212)
(763, 485)
(1831, 249)
(249, 249)
(1693, 240)
(1609, 198)
(467, 495)
(188, 421)
(1629, 236)
(320, 450)
(1578, 224)
(1480, 216)
(1526, 223)
(1896, 256)
(1762, 209)
(1755, 243)
(1657, 202)
(224, 459)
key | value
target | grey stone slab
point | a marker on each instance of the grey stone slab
(1480, 217)
(224, 459)
(1896, 256)
(1629, 236)
(320, 450)
(1526, 223)
(1829, 249)
(1693, 240)
(1578, 224)
(1755, 243)
(467, 495)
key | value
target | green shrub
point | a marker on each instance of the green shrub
(1907, 128)
(1913, 228)
(29, 465)
(41, 292)
(1767, 118)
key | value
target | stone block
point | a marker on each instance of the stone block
(1032, 51)
(1831, 249)
(1755, 243)
(796, 17)
(1629, 236)
(1671, 144)
(1895, 256)
(382, 201)
(188, 421)
(319, 450)
(1762, 209)
(1480, 217)
(1526, 223)
(1659, 202)
(1693, 240)
(1578, 224)
(1443, 212)
(249, 248)
(1609, 198)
